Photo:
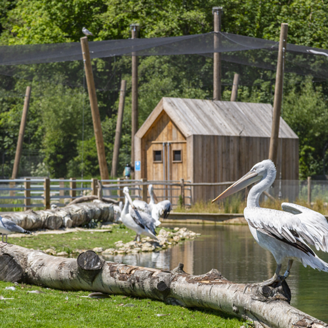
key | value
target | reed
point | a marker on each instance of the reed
(236, 204)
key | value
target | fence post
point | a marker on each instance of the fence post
(100, 190)
(46, 187)
(144, 189)
(182, 192)
(119, 190)
(12, 192)
(61, 192)
(309, 191)
(72, 186)
(27, 193)
(94, 183)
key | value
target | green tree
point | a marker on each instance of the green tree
(305, 110)
(49, 21)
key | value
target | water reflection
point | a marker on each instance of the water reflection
(233, 251)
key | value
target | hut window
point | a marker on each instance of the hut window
(177, 156)
(157, 156)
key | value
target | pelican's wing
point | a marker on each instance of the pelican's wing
(164, 208)
(143, 219)
(141, 206)
(11, 226)
(315, 223)
(292, 228)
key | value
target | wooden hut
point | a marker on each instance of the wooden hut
(210, 141)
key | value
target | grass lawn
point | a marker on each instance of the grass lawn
(54, 308)
(76, 240)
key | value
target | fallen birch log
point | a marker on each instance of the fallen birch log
(266, 307)
(72, 215)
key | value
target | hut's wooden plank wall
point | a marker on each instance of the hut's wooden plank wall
(226, 158)
(220, 141)
(163, 130)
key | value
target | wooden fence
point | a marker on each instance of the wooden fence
(42, 192)
(30, 193)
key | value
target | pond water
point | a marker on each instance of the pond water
(233, 251)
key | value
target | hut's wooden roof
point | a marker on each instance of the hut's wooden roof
(226, 118)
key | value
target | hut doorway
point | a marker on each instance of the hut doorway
(166, 162)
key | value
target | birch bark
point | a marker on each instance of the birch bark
(76, 214)
(266, 307)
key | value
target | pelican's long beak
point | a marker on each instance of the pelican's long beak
(246, 180)
(129, 199)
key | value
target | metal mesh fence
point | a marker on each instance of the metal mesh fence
(168, 67)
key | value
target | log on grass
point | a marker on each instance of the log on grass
(71, 215)
(266, 307)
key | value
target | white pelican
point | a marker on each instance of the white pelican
(284, 234)
(161, 209)
(8, 227)
(141, 205)
(140, 222)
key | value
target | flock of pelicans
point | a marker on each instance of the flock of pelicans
(286, 234)
(141, 217)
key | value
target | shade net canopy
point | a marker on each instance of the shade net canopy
(168, 67)
(235, 50)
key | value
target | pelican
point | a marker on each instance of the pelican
(8, 227)
(141, 205)
(140, 222)
(283, 233)
(161, 209)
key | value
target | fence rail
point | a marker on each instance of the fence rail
(28, 192)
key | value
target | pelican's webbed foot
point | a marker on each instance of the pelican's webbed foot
(276, 279)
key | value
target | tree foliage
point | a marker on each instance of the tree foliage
(60, 114)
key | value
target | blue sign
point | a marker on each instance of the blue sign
(137, 166)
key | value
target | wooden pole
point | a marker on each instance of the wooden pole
(61, 190)
(134, 128)
(278, 93)
(46, 187)
(118, 129)
(217, 11)
(182, 192)
(144, 190)
(119, 189)
(94, 183)
(72, 186)
(21, 133)
(100, 190)
(94, 109)
(234, 91)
